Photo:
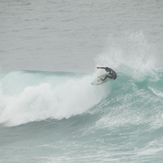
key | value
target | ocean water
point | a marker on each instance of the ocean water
(51, 117)
(51, 35)
(50, 112)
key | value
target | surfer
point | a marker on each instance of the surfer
(109, 73)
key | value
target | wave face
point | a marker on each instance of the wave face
(61, 117)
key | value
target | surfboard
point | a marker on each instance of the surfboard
(100, 80)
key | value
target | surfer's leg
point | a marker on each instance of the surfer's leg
(105, 78)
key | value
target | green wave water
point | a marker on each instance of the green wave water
(61, 117)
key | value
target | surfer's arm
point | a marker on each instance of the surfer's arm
(101, 67)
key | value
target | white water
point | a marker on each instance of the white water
(65, 97)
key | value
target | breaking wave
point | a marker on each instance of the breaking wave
(134, 98)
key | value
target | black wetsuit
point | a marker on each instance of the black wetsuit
(111, 73)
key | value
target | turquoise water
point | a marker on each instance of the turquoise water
(61, 117)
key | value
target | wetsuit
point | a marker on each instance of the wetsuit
(110, 73)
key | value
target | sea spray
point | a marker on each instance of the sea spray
(131, 54)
